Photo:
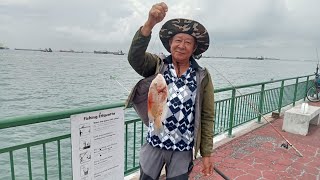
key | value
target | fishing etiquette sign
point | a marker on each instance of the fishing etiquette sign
(97, 145)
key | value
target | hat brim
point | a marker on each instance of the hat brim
(191, 27)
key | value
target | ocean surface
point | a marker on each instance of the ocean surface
(38, 82)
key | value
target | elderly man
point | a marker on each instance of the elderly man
(190, 105)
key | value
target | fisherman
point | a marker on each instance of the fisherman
(189, 118)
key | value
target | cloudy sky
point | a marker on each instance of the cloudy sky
(273, 28)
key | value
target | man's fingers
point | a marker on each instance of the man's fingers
(156, 13)
(161, 9)
(163, 6)
(161, 16)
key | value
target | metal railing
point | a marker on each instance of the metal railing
(37, 159)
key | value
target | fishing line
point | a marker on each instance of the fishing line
(240, 152)
(156, 44)
(317, 55)
(115, 79)
(253, 106)
(317, 69)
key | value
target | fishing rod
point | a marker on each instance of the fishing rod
(221, 174)
(317, 55)
(317, 69)
(251, 104)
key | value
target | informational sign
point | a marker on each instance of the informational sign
(97, 145)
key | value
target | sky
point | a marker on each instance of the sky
(286, 29)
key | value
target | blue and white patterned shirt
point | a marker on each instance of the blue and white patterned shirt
(178, 132)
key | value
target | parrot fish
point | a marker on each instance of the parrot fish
(157, 102)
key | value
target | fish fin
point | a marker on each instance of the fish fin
(160, 121)
(164, 113)
(159, 129)
(151, 117)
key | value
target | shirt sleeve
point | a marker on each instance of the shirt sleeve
(142, 62)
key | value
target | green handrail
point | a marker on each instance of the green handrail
(230, 112)
(51, 116)
(258, 84)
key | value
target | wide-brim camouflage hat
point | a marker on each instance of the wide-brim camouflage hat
(191, 27)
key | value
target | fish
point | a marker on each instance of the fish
(157, 102)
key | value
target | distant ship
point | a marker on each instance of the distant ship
(71, 51)
(47, 50)
(102, 52)
(3, 47)
(109, 52)
(253, 58)
(118, 53)
(41, 50)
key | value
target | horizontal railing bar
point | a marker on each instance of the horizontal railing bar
(132, 121)
(35, 143)
(257, 84)
(38, 118)
(129, 171)
(243, 95)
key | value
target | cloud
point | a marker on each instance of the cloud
(14, 2)
(104, 24)
(264, 23)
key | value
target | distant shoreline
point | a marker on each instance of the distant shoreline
(28, 49)
(72, 51)
(253, 58)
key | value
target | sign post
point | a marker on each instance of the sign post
(97, 145)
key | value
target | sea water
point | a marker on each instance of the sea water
(38, 82)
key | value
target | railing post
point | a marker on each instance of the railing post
(295, 92)
(29, 163)
(142, 124)
(44, 151)
(126, 150)
(12, 165)
(134, 144)
(232, 112)
(59, 160)
(305, 94)
(261, 102)
(281, 96)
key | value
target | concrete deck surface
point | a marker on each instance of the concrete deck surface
(258, 155)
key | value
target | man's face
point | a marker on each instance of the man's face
(182, 47)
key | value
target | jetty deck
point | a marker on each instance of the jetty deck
(258, 155)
